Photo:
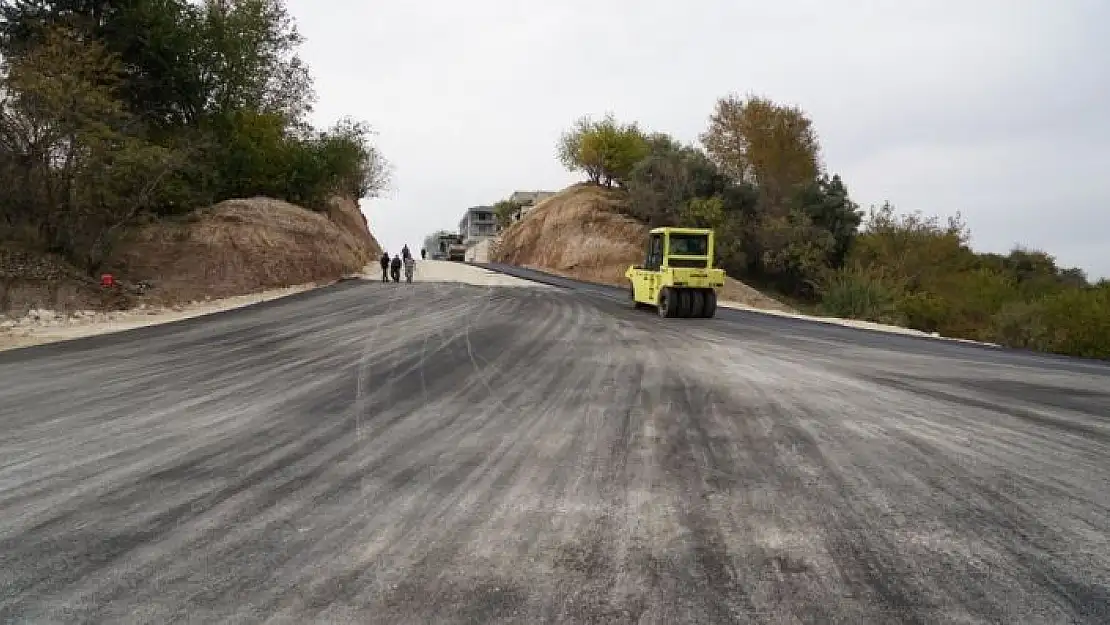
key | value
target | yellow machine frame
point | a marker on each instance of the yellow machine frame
(677, 285)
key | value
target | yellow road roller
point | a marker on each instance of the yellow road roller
(678, 277)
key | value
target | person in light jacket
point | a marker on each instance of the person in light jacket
(410, 267)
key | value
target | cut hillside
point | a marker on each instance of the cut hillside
(582, 233)
(247, 245)
(31, 280)
(237, 247)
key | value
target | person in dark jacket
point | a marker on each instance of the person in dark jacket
(423, 254)
(395, 268)
(385, 266)
(405, 253)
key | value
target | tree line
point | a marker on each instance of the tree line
(787, 224)
(111, 111)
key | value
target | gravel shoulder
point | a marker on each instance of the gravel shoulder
(45, 326)
(851, 323)
(443, 452)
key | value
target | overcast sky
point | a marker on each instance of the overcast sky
(999, 109)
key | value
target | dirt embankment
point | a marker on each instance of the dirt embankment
(580, 233)
(235, 248)
(32, 281)
(243, 246)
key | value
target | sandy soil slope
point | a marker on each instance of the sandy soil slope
(246, 246)
(233, 254)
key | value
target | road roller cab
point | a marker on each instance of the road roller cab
(678, 277)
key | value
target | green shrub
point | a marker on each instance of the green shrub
(1078, 322)
(1021, 324)
(855, 294)
(924, 311)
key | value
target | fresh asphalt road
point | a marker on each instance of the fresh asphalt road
(450, 453)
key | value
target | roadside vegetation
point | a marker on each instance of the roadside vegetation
(115, 114)
(503, 210)
(787, 224)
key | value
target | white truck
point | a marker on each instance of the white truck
(446, 246)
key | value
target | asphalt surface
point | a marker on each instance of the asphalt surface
(449, 453)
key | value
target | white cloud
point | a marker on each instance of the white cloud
(995, 108)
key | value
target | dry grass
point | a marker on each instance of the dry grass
(245, 246)
(580, 233)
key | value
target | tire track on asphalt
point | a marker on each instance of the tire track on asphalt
(333, 452)
(467, 474)
(439, 452)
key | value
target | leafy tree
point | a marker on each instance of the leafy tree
(182, 59)
(352, 163)
(1073, 277)
(794, 252)
(1028, 264)
(504, 210)
(70, 142)
(155, 41)
(161, 46)
(113, 109)
(605, 150)
(769, 145)
(703, 212)
(254, 156)
(672, 174)
(26, 24)
(248, 59)
(825, 201)
(1036, 272)
(257, 157)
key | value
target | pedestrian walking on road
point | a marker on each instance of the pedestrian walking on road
(385, 266)
(423, 254)
(410, 267)
(395, 268)
(405, 253)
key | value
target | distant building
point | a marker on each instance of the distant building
(477, 224)
(527, 201)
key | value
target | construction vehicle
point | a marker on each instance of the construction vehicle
(456, 251)
(678, 277)
(446, 246)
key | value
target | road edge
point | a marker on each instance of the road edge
(615, 293)
(95, 339)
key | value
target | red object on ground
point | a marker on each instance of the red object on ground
(107, 280)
